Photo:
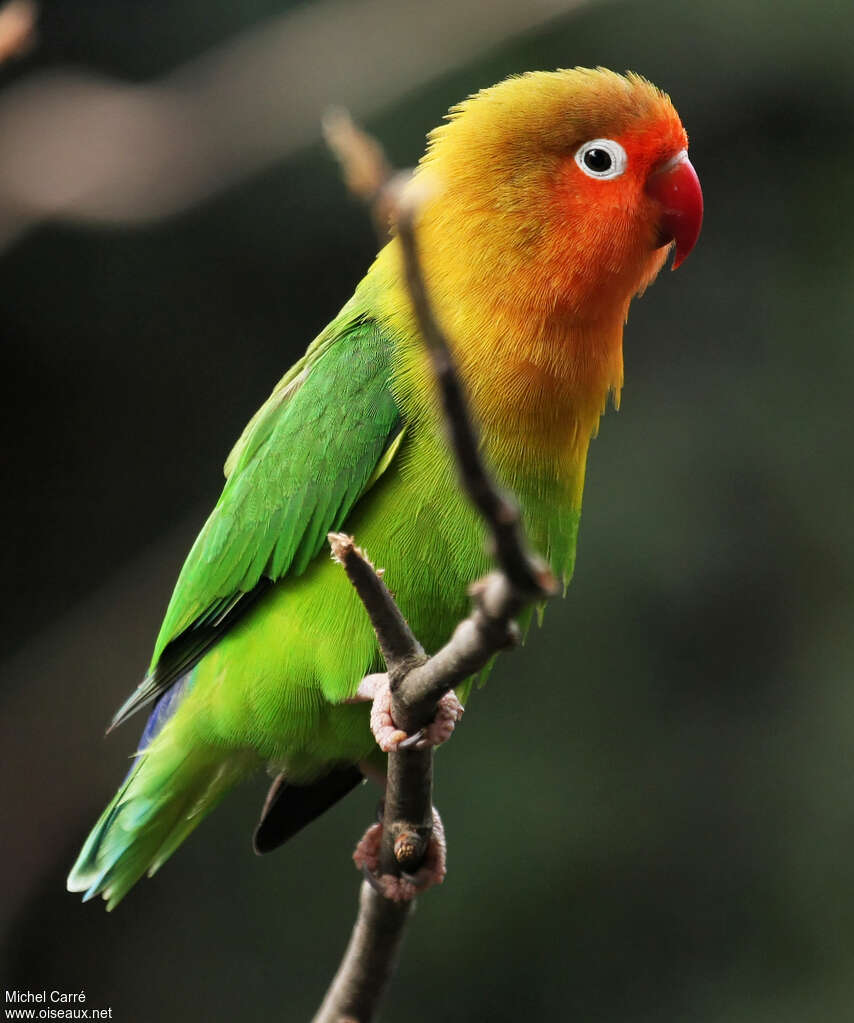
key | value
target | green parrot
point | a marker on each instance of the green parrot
(561, 195)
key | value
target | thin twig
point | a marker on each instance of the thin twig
(527, 572)
(417, 682)
(400, 649)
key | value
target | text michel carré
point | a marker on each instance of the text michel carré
(55, 997)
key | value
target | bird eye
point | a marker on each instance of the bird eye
(601, 158)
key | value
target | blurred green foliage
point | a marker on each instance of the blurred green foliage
(664, 830)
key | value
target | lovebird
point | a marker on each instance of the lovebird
(559, 197)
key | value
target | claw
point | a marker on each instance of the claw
(432, 871)
(411, 741)
(391, 738)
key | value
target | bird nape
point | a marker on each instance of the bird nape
(560, 195)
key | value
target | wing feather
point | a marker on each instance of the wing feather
(324, 436)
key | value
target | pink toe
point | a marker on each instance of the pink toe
(366, 855)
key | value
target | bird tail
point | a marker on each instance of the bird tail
(167, 793)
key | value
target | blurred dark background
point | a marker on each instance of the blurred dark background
(667, 831)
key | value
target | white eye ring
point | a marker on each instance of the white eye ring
(601, 158)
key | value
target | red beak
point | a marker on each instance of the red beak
(676, 186)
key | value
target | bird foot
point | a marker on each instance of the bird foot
(389, 737)
(404, 888)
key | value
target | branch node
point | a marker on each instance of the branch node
(398, 672)
(343, 548)
(546, 579)
(506, 512)
(410, 192)
(514, 635)
(409, 849)
(341, 545)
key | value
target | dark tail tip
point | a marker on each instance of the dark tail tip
(288, 807)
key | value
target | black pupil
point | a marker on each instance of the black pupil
(598, 160)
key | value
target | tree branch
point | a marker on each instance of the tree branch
(358, 985)
(400, 649)
(417, 682)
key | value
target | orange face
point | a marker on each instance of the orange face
(635, 188)
(563, 189)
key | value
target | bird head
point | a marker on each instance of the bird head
(560, 191)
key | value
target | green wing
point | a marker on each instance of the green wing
(326, 433)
